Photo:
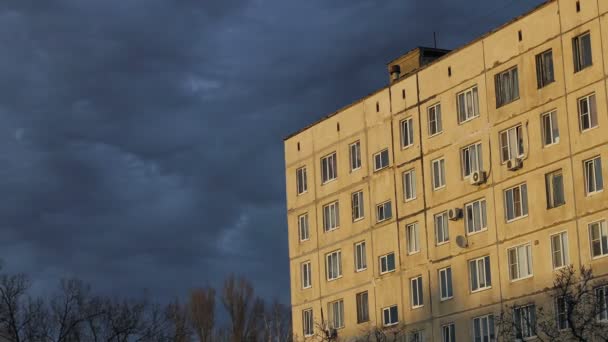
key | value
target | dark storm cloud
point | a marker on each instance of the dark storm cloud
(141, 140)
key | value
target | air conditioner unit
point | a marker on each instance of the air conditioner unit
(454, 214)
(515, 164)
(478, 177)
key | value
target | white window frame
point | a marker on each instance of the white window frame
(384, 264)
(434, 119)
(355, 155)
(520, 262)
(362, 307)
(412, 236)
(506, 85)
(406, 126)
(545, 72)
(390, 315)
(308, 327)
(301, 181)
(357, 206)
(438, 180)
(330, 258)
(559, 313)
(480, 273)
(520, 203)
(306, 274)
(549, 126)
(335, 311)
(465, 112)
(578, 51)
(331, 216)
(553, 187)
(416, 336)
(524, 319)
(486, 323)
(446, 286)
(378, 159)
(442, 230)
(559, 250)
(448, 332)
(473, 156)
(416, 292)
(590, 115)
(592, 182)
(303, 227)
(409, 185)
(329, 168)
(382, 214)
(476, 212)
(360, 257)
(602, 240)
(513, 149)
(601, 293)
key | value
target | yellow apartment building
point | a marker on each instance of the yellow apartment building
(460, 187)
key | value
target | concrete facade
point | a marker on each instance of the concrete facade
(375, 122)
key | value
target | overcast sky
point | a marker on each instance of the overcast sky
(141, 141)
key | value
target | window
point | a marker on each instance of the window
(384, 211)
(554, 186)
(550, 128)
(445, 283)
(468, 104)
(307, 323)
(301, 180)
(442, 234)
(303, 227)
(481, 277)
(587, 112)
(470, 158)
(334, 265)
(407, 132)
(511, 144)
(381, 160)
(594, 181)
(336, 314)
(329, 168)
(362, 307)
(331, 216)
(559, 250)
(507, 87)
(520, 262)
(409, 185)
(413, 241)
(434, 113)
(475, 216)
(598, 235)
(448, 333)
(561, 313)
(524, 320)
(306, 275)
(483, 329)
(416, 290)
(601, 293)
(355, 155)
(438, 173)
(357, 205)
(516, 202)
(390, 316)
(544, 69)
(581, 51)
(416, 336)
(360, 257)
(387, 263)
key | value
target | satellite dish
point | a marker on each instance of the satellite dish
(461, 241)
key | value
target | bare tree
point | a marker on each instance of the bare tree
(202, 313)
(581, 304)
(277, 323)
(13, 317)
(178, 317)
(243, 308)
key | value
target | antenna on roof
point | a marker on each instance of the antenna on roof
(435, 39)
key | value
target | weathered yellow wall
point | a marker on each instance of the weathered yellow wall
(375, 122)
